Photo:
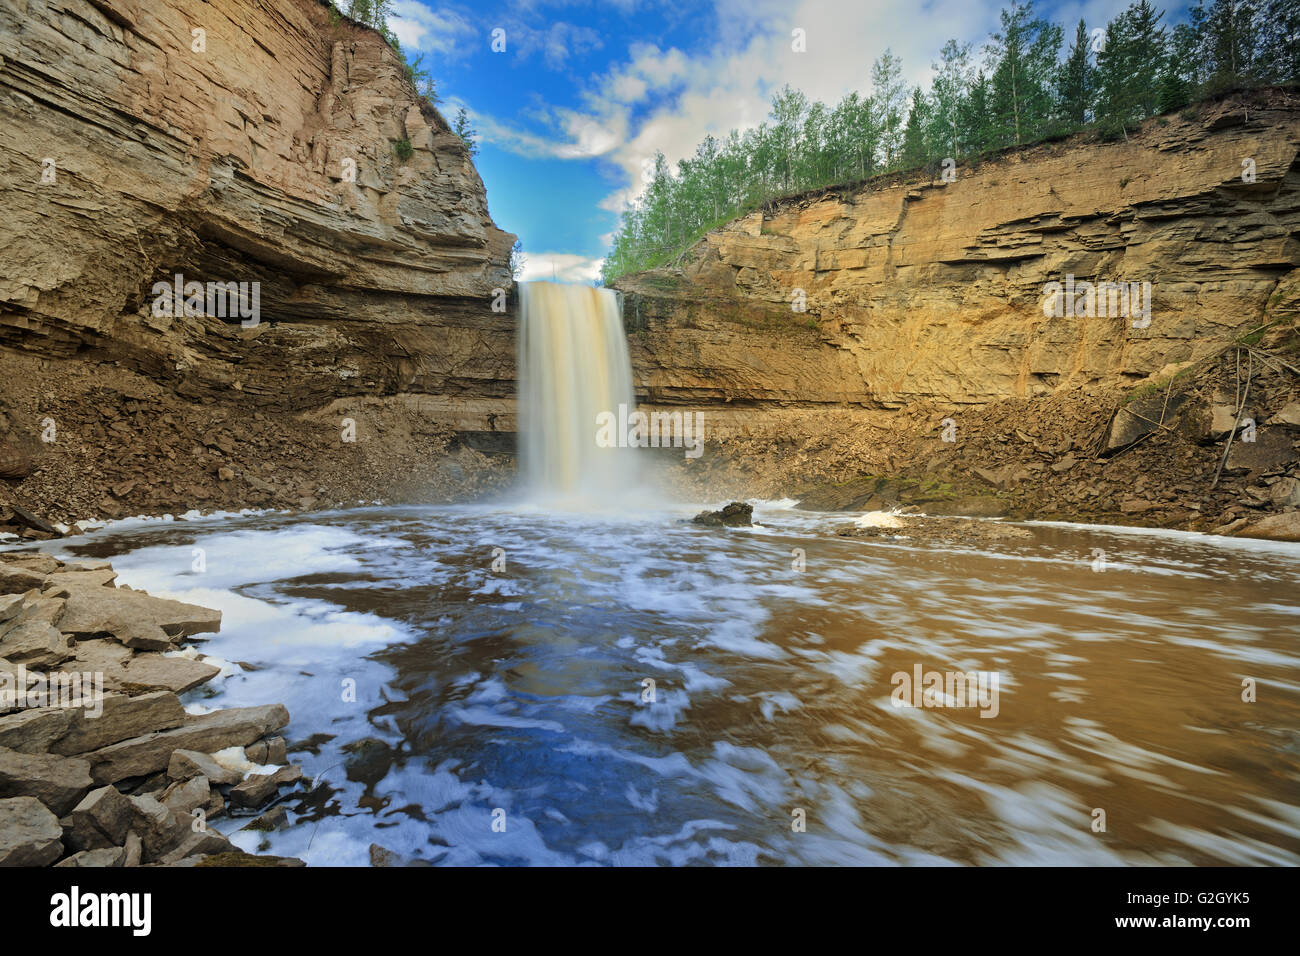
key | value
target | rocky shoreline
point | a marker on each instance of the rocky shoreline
(101, 765)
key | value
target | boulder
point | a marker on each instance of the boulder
(101, 819)
(58, 782)
(121, 718)
(160, 829)
(736, 514)
(1270, 451)
(96, 610)
(199, 843)
(151, 753)
(1139, 418)
(1283, 527)
(30, 834)
(185, 796)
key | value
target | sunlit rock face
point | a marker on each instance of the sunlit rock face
(915, 289)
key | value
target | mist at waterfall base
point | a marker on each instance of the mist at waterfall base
(573, 367)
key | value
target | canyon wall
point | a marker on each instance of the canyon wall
(917, 289)
(233, 141)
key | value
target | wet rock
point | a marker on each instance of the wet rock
(58, 782)
(277, 818)
(151, 753)
(30, 834)
(24, 517)
(144, 672)
(737, 514)
(239, 858)
(368, 760)
(269, 751)
(257, 790)
(101, 819)
(185, 764)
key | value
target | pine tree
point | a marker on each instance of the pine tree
(465, 131)
(1229, 44)
(1178, 78)
(1023, 56)
(915, 150)
(1280, 42)
(1077, 81)
(977, 124)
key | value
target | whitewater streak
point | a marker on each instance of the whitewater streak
(573, 367)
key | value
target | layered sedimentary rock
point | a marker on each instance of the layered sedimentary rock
(238, 142)
(897, 341)
(920, 289)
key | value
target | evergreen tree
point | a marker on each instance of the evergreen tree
(915, 151)
(1280, 42)
(1229, 44)
(1022, 55)
(465, 131)
(1178, 77)
(1077, 80)
(978, 130)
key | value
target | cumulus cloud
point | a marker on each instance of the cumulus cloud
(560, 266)
(440, 30)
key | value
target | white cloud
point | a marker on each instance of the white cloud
(560, 267)
(442, 30)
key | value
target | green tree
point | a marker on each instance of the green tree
(465, 131)
(1229, 44)
(1279, 42)
(948, 94)
(916, 151)
(1077, 80)
(1022, 55)
(889, 96)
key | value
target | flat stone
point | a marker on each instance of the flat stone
(198, 844)
(101, 819)
(1288, 415)
(144, 636)
(185, 764)
(95, 610)
(83, 578)
(36, 644)
(1270, 451)
(106, 857)
(151, 753)
(121, 718)
(30, 834)
(15, 580)
(35, 730)
(58, 782)
(36, 561)
(141, 673)
(36, 608)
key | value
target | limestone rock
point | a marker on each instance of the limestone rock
(34, 730)
(101, 819)
(210, 732)
(30, 834)
(185, 764)
(97, 610)
(121, 718)
(106, 857)
(58, 782)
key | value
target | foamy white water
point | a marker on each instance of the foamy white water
(573, 366)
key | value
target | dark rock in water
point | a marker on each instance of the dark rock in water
(368, 760)
(736, 514)
(24, 517)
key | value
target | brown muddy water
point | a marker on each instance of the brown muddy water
(459, 714)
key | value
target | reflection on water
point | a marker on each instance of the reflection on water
(526, 690)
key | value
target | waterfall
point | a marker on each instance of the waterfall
(573, 366)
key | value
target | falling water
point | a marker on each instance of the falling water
(573, 365)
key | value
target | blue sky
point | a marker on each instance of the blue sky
(585, 92)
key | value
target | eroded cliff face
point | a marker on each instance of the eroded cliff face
(925, 304)
(233, 141)
(925, 290)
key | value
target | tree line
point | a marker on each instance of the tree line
(1025, 85)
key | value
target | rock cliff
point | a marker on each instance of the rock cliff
(235, 141)
(831, 334)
